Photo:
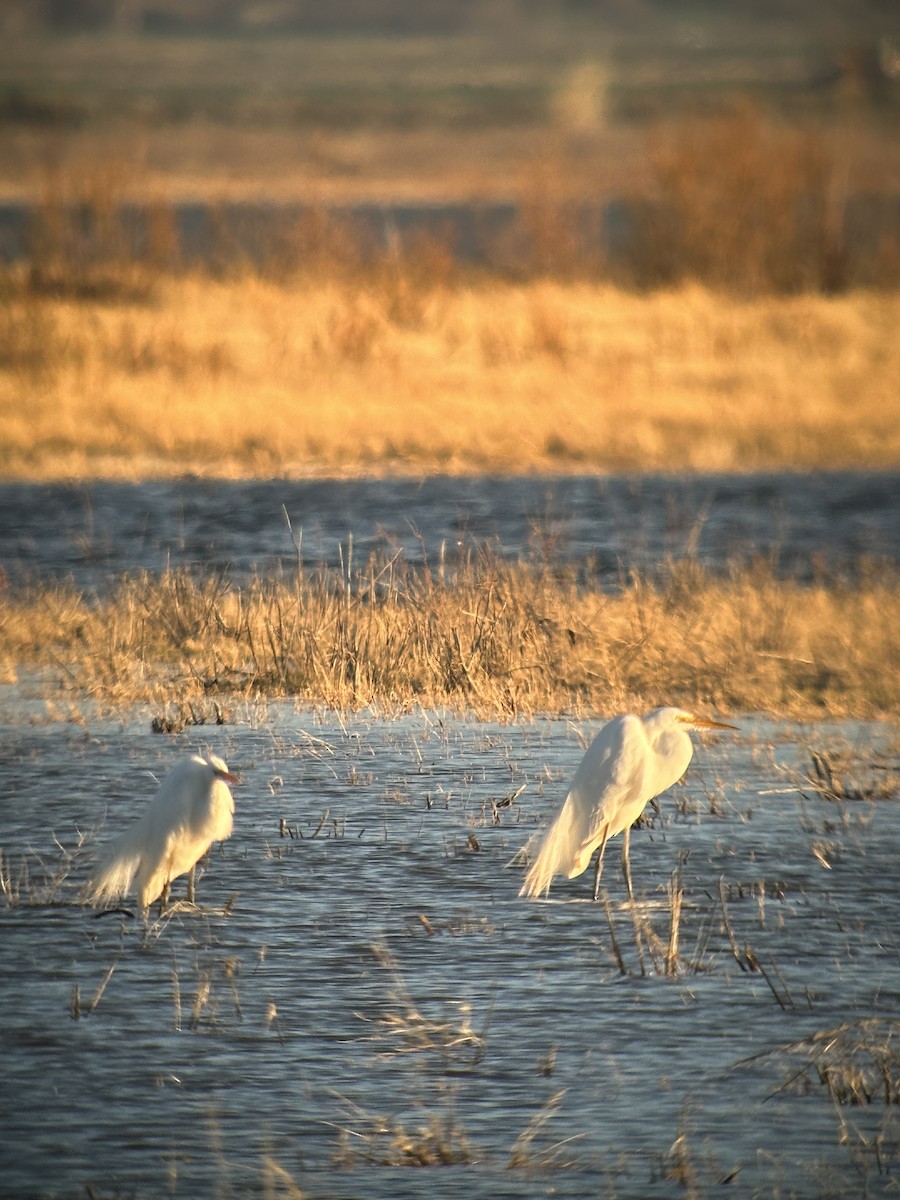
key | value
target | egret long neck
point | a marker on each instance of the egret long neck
(673, 755)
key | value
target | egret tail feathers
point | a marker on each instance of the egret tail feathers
(555, 855)
(115, 874)
(561, 850)
(538, 878)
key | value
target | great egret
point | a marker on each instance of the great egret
(631, 760)
(192, 809)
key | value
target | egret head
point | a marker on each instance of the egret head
(679, 718)
(220, 770)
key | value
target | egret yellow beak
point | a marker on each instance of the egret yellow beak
(703, 723)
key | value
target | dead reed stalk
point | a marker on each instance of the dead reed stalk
(452, 1042)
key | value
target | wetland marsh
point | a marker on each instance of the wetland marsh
(391, 527)
(363, 1007)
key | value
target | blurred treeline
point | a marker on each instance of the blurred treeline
(738, 203)
(644, 143)
(415, 16)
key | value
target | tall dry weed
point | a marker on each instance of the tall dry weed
(558, 231)
(318, 245)
(84, 239)
(743, 202)
(351, 331)
(30, 341)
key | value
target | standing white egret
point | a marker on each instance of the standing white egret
(631, 760)
(192, 809)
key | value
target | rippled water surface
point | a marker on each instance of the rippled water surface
(365, 972)
(801, 523)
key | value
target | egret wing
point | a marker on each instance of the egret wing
(215, 815)
(610, 775)
(610, 781)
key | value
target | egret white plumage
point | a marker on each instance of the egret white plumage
(192, 809)
(631, 760)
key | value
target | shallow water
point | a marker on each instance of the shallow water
(802, 523)
(238, 1054)
(484, 233)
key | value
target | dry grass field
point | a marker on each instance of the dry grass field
(392, 373)
(454, 112)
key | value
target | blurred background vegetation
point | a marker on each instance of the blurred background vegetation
(355, 227)
(753, 146)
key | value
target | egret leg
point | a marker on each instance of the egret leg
(164, 899)
(191, 884)
(626, 861)
(598, 870)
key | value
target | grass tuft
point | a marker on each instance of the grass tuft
(438, 1141)
(839, 774)
(856, 1062)
(406, 1030)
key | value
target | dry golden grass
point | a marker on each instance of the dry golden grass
(412, 369)
(499, 640)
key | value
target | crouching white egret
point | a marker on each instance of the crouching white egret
(192, 809)
(631, 760)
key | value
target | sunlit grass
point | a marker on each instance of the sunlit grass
(386, 373)
(339, 350)
(498, 640)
